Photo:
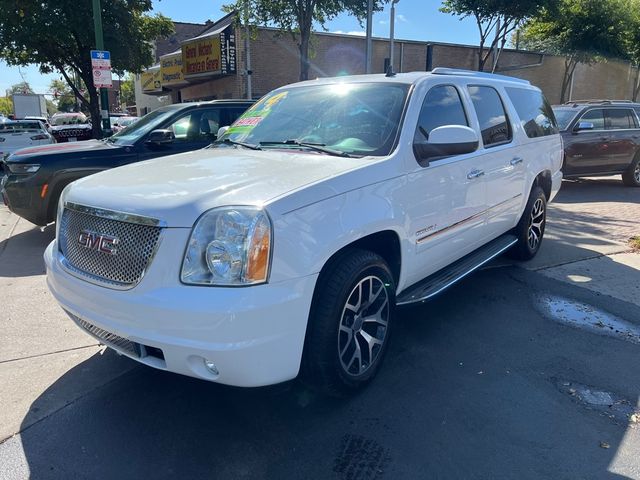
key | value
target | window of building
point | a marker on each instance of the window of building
(494, 123)
(536, 116)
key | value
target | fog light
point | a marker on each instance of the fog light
(209, 365)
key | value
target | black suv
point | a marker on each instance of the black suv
(601, 137)
(34, 177)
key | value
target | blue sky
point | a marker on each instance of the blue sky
(415, 20)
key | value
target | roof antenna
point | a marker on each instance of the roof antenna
(390, 72)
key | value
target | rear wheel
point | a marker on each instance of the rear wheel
(530, 228)
(350, 323)
(631, 176)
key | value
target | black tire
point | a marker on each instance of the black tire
(631, 176)
(333, 315)
(530, 228)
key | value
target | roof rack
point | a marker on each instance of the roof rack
(472, 73)
(596, 102)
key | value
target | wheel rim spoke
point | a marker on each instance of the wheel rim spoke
(536, 224)
(363, 325)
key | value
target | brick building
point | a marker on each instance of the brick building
(275, 62)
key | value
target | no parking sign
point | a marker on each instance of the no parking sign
(101, 66)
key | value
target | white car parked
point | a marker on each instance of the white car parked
(285, 247)
(18, 134)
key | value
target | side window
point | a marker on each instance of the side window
(196, 126)
(536, 115)
(442, 106)
(494, 123)
(620, 119)
(595, 116)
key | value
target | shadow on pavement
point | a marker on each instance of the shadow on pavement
(601, 189)
(469, 390)
(21, 254)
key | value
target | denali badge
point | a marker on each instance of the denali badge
(95, 241)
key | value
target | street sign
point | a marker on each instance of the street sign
(101, 66)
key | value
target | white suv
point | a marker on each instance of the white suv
(285, 247)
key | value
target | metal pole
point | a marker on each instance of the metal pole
(392, 23)
(104, 96)
(247, 49)
(369, 41)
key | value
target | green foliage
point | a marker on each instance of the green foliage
(495, 19)
(22, 87)
(6, 106)
(58, 35)
(127, 91)
(63, 96)
(584, 31)
(296, 17)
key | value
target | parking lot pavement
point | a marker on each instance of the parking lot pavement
(532, 375)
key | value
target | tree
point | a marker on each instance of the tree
(296, 18)
(6, 106)
(64, 97)
(127, 91)
(632, 42)
(584, 31)
(58, 36)
(494, 18)
(22, 87)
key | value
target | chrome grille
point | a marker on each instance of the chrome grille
(107, 338)
(71, 132)
(125, 268)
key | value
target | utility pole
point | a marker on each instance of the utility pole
(392, 23)
(369, 42)
(104, 96)
(247, 49)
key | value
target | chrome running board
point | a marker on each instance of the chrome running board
(448, 276)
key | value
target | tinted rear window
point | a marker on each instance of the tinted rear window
(492, 117)
(536, 116)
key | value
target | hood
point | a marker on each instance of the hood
(55, 148)
(179, 188)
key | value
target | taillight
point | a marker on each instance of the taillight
(40, 136)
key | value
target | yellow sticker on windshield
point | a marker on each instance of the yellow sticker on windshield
(252, 117)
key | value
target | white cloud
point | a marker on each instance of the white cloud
(384, 22)
(356, 32)
(402, 18)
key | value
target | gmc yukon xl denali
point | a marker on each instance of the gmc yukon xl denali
(286, 246)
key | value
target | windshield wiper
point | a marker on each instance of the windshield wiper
(228, 141)
(318, 147)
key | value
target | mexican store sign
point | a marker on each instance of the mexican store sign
(210, 55)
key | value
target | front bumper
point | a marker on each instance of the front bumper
(22, 194)
(253, 335)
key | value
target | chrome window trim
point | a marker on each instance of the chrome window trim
(116, 215)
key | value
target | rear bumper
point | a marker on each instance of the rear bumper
(253, 335)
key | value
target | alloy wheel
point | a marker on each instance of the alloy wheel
(536, 223)
(636, 173)
(363, 326)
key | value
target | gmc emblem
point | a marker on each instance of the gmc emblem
(96, 241)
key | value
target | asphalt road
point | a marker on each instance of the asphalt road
(483, 382)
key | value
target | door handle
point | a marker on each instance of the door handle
(475, 174)
(515, 161)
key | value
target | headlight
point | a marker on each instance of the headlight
(23, 167)
(229, 246)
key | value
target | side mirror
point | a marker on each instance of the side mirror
(160, 137)
(222, 131)
(446, 141)
(580, 126)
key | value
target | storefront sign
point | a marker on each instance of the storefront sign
(171, 70)
(150, 80)
(211, 55)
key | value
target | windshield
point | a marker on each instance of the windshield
(68, 120)
(141, 127)
(352, 118)
(564, 116)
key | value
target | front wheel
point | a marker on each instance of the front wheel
(350, 323)
(530, 228)
(631, 176)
